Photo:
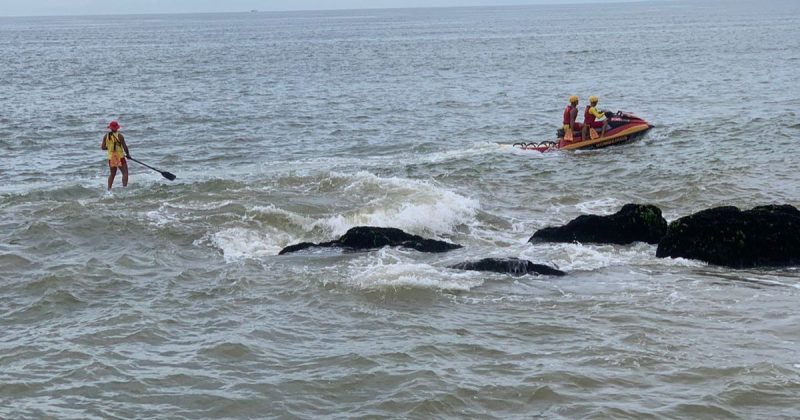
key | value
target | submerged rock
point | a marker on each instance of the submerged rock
(298, 247)
(513, 266)
(364, 237)
(727, 236)
(369, 237)
(634, 222)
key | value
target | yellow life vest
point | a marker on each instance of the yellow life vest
(114, 148)
(597, 114)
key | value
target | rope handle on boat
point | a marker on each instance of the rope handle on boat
(534, 145)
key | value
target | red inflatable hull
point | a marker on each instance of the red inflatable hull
(625, 127)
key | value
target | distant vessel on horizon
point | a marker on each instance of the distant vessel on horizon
(254, 11)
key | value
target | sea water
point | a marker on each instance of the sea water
(168, 299)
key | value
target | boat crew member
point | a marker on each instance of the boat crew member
(114, 143)
(593, 118)
(570, 115)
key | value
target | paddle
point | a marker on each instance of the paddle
(165, 174)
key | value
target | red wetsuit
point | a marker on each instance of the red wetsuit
(589, 119)
(568, 117)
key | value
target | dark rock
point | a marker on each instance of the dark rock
(763, 236)
(634, 222)
(513, 266)
(368, 237)
(297, 247)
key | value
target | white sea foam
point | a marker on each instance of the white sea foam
(591, 257)
(602, 206)
(562, 213)
(412, 205)
(195, 205)
(161, 217)
(569, 256)
(292, 217)
(386, 269)
(417, 207)
(239, 243)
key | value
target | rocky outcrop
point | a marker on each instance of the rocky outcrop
(367, 237)
(763, 236)
(303, 245)
(634, 222)
(513, 266)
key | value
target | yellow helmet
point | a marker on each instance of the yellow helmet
(593, 99)
(573, 99)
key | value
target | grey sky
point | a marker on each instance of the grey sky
(84, 7)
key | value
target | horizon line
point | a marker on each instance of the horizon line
(334, 9)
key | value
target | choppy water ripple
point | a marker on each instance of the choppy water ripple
(168, 299)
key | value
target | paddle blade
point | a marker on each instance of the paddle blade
(593, 134)
(168, 175)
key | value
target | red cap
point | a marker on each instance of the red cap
(113, 126)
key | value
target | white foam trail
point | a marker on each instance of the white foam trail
(533, 154)
(460, 152)
(455, 153)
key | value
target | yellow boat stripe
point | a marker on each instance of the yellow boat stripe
(626, 132)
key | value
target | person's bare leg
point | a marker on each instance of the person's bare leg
(124, 174)
(111, 177)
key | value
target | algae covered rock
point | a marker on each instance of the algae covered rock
(366, 237)
(513, 266)
(363, 238)
(633, 223)
(727, 236)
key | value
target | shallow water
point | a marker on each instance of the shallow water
(168, 298)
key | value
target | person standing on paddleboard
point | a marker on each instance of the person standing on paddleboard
(114, 143)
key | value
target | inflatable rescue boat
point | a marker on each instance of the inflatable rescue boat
(623, 127)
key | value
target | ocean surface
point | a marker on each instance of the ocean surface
(168, 299)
